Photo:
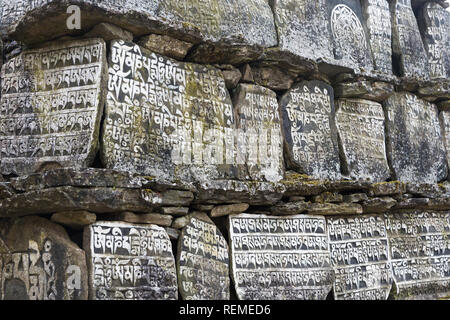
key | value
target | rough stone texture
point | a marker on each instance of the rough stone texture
(309, 128)
(174, 124)
(435, 91)
(175, 211)
(109, 32)
(418, 244)
(74, 219)
(444, 118)
(181, 222)
(378, 21)
(129, 262)
(225, 210)
(283, 261)
(378, 205)
(332, 209)
(165, 45)
(326, 197)
(289, 208)
(260, 145)
(360, 258)
(360, 125)
(371, 90)
(231, 75)
(144, 218)
(355, 197)
(272, 77)
(387, 188)
(52, 106)
(415, 147)
(41, 262)
(407, 43)
(434, 23)
(203, 262)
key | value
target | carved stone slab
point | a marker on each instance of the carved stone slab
(444, 118)
(378, 22)
(349, 35)
(129, 262)
(203, 262)
(51, 105)
(38, 261)
(359, 255)
(419, 245)
(360, 125)
(277, 258)
(407, 43)
(414, 141)
(165, 118)
(435, 28)
(309, 129)
(258, 122)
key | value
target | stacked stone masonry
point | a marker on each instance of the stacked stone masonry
(216, 150)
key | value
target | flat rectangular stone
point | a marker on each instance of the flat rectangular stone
(444, 118)
(51, 106)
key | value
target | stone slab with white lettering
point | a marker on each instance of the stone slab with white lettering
(51, 106)
(349, 35)
(166, 119)
(360, 125)
(435, 27)
(38, 261)
(280, 258)
(309, 129)
(378, 22)
(419, 244)
(203, 262)
(360, 258)
(129, 262)
(407, 45)
(414, 142)
(258, 122)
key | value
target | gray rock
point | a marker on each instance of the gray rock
(165, 45)
(378, 205)
(428, 190)
(143, 218)
(412, 203)
(74, 219)
(109, 32)
(247, 75)
(444, 118)
(272, 77)
(387, 188)
(55, 103)
(141, 257)
(289, 208)
(444, 105)
(181, 222)
(310, 132)
(412, 128)
(231, 75)
(332, 209)
(355, 197)
(229, 209)
(370, 90)
(175, 211)
(360, 125)
(435, 91)
(173, 233)
(41, 262)
(326, 197)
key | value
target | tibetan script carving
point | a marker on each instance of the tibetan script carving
(359, 254)
(51, 106)
(276, 258)
(203, 262)
(131, 262)
(419, 245)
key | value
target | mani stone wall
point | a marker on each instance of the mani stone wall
(243, 149)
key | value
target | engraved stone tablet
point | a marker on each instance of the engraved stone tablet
(351, 46)
(407, 43)
(258, 122)
(129, 262)
(435, 28)
(414, 141)
(359, 255)
(310, 131)
(38, 261)
(419, 245)
(378, 22)
(360, 125)
(165, 118)
(277, 258)
(203, 262)
(51, 106)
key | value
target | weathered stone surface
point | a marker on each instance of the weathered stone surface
(378, 205)
(289, 208)
(74, 219)
(419, 252)
(434, 91)
(444, 105)
(173, 233)
(109, 32)
(203, 274)
(144, 218)
(52, 106)
(387, 188)
(247, 75)
(181, 222)
(203, 207)
(360, 258)
(41, 262)
(332, 209)
(326, 197)
(310, 133)
(97, 200)
(407, 43)
(355, 197)
(129, 262)
(165, 45)
(444, 118)
(235, 22)
(272, 77)
(259, 125)
(207, 53)
(378, 22)
(175, 211)
(292, 252)
(415, 147)
(428, 190)
(231, 75)
(371, 90)
(434, 23)
(173, 125)
(412, 203)
(360, 125)
(225, 210)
